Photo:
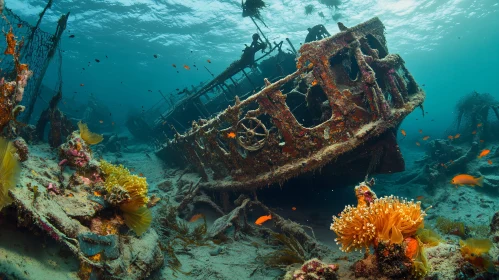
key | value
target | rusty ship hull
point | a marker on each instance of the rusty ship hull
(358, 92)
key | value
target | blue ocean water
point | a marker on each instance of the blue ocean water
(128, 52)
(450, 46)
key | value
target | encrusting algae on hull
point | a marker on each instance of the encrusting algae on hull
(12, 92)
(389, 224)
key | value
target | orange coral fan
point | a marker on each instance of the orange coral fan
(387, 219)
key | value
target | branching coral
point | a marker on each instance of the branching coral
(9, 171)
(89, 137)
(387, 219)
(137, 216)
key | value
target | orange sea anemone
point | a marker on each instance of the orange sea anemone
(387, 219)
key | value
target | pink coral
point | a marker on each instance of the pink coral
(52, 188)
(63, 162)
(315, 269)
(77, 154)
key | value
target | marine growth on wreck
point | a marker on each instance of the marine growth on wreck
(256, 140)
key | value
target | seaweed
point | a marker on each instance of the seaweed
(420, 265)
(251, 8)
(290, 253)
(447, 226)
(428, 237)
(173, 262)
(178, 233)
(481, 231)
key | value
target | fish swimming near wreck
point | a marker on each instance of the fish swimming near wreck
(263, 219)
(465, 179)
(484, 153)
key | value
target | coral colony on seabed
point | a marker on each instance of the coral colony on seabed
(222, 196)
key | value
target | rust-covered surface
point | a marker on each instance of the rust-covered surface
(260, 140)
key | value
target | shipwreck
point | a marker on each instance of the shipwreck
(341, 105)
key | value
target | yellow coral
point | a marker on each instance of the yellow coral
(139, 219)
(9, 171)
(387, 219)
(119, 175)
(89, 137)
(475, 251)
(137, 216)
(428, 237)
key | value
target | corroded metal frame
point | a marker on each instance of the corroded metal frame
(378, 99)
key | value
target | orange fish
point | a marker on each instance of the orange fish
(187, 67)
(231, 135)
(443, 165)
(419, 197)
(457, 136)
(484, 153)
(489, 162)
(112, 123)
(474, 132)
(195, 218)
(479, 125)
(420, 131)
(403, 132)
(263, 219)
(450, 137)
(174, 66)
(82, 85)
(314, 83)
(465, 179)
(417, 144)
(293, 208)
(97, 193)
(481, 141)
(426, 138)
(209, 61)
(141, 174)
(70, 195)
